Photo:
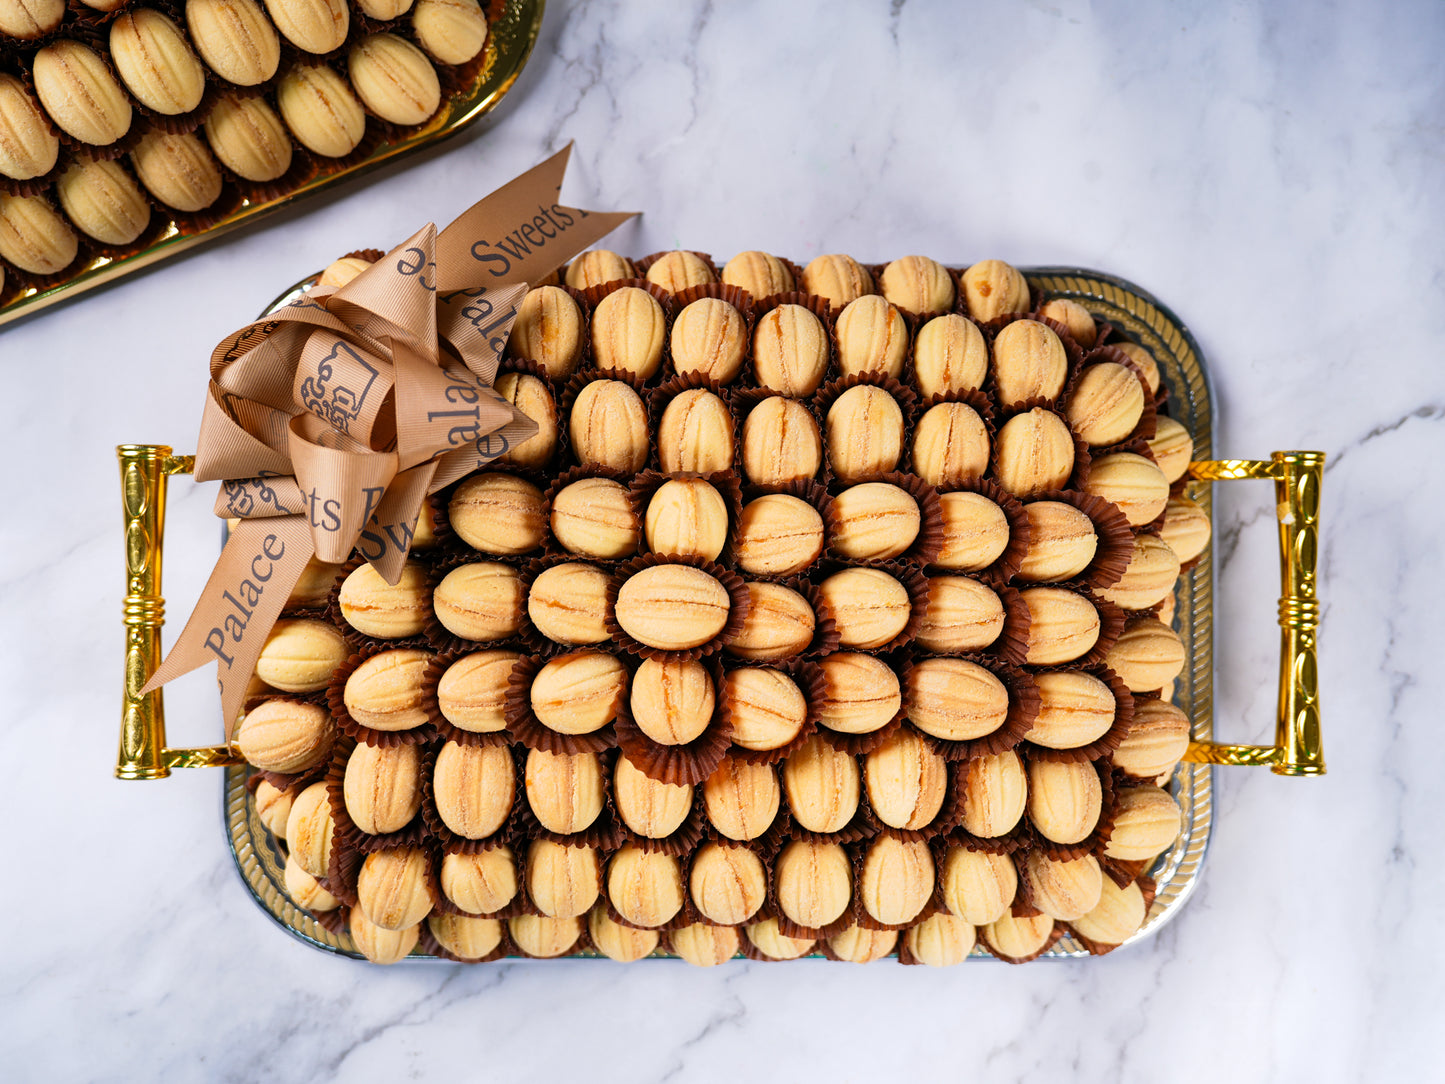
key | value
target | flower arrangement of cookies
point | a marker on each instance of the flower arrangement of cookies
(828, 612)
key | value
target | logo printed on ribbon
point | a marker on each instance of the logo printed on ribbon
(339, 400)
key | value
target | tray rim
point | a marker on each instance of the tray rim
(1178, 870)
(492, 84)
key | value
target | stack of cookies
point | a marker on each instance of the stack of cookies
(828, 612)
(120, 119)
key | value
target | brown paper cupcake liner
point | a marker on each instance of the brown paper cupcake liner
(283, 781)
(443, 641)
(1011, 643)
(739, 606)
(1023, 709)
(788, 928)
(1120, 871)
(728, 485)
(593, 295)
(1103, 746)
(864, 920)
(859, 745)
(428, 943)
(857, 854)
(768, 844)
(757, 955)
(38, 186)
(682, 842)
(526, 728)
(1006, 565)
(1100, 948)
(808, 678)
(551, 546)
(818, 306)
(336, 921)
(1094, 842)
(342, 870)
(336, 702)
(1111, 626)
(861, 827)
(689, 764)
(988, 947)
(449, 542)
(1018, 837)
(515, 363)
(1079, 474)
(351, 838)
(445, 729)
(1115, 539)
(823, 400)
(1106, 349)
(975, 398)
(604, 833)
(735, 296)
(948, 818)
(175, 123)
(914, 582)
(686, 915)
(657, 401)
(359, 641)
(926, 543)
(515, 906)
(645, 264)
(451, 842)
(811, 493)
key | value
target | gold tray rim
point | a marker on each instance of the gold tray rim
(511, 39)
(1177, 871)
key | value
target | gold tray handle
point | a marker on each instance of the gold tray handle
(144, 470)
(1297, 480)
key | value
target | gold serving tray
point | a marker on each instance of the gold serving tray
(1296, 751)
(510, 39)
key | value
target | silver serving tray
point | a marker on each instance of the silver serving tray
(260, 862)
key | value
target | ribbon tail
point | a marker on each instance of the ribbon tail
(519, 233)
(386, 541)
(477, 454)
(258, 568)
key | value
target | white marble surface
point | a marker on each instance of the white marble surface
(1272, 171)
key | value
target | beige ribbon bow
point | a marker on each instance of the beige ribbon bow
(330, 422)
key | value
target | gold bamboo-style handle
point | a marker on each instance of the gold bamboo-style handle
(1297, 480)
(144, 470)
